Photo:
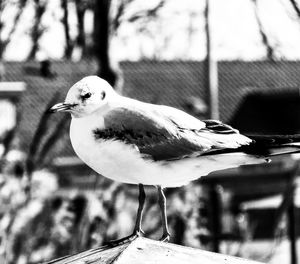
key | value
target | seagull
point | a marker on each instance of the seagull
(139, 143)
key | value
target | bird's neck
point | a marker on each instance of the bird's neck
(89, 122)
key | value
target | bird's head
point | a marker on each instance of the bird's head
(85, 97)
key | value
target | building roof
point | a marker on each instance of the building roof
(169, 82)
(143, 250)
(173, 81)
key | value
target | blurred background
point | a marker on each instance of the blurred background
(234, 60)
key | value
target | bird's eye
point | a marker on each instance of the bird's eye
(86, 96)
(103, 95)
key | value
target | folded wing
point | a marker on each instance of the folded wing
(161, 133)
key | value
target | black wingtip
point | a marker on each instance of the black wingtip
(50, 111)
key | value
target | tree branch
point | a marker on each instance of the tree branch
(37, 30)
(116, 21)
(80, 11)
(101, 41)
(149, 13)
(69, 43)
(264, 36)
(5, 42)
(295, 7)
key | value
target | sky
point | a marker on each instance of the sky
(234, 31)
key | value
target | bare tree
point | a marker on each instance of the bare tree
(106, 25)
(103, 31)
(145, 14)
(116, 20)
(81, 7)
(295, 7)
(37, 29)
(80, 40)
(5, 41)
(264, 37)
(69, 42)
(101, 41)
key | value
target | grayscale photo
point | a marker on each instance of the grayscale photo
(158, 131)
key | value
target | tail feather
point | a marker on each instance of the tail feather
(272, 145)
(272, 140)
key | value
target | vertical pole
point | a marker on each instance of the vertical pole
(292, 232)
(211, 69)
(215, 216)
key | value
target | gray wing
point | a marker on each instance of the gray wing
(160, 137)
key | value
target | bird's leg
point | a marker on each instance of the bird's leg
(162, 204)
(137, 231)
(138, 222)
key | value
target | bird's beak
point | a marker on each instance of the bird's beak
(60, 107)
